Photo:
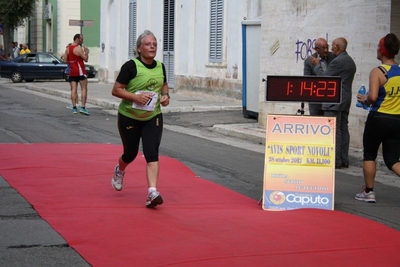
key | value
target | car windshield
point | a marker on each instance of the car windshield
(46, 58)
(20, 58)
(58, 56)
(30, 58)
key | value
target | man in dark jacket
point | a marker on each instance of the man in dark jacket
(343, 65)
(322, 52)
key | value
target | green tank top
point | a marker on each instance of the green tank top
(147, 80)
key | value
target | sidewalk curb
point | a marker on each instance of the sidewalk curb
(113, 105)
(98, 102)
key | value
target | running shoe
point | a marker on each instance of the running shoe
(83, 111)
(367, 197)
(153, 199)
(118, 179)
(74, 110)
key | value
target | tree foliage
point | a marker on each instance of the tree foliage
(13, 14)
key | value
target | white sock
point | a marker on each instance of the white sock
(152, 189)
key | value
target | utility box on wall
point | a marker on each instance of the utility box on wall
(251, 41)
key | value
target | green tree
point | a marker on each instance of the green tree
(13, 14)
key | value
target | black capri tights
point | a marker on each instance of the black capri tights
(385, 129)
(132, 130)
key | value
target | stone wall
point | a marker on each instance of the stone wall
(212, 86)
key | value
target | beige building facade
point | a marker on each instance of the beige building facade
(202, 44)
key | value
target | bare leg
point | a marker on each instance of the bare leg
(83, 84)
(369, 170)
(396, 168)
(121, 164)
(74, 93)
(152, 170)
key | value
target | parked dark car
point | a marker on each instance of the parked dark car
(33, 66)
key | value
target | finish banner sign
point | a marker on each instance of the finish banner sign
(299, 169)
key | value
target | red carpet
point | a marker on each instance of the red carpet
(199, 224)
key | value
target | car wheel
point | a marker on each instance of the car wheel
(29, 80)
(16, 77)
(66, 77)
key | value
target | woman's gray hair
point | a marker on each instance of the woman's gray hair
(139, 41)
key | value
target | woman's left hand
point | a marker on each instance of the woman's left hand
(361, 98)
(164, 100)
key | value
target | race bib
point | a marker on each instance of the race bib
(150, 105)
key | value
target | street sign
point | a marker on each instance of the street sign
(74, 22)
(81, 23)
(87, 23)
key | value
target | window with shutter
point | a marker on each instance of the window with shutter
(132, 27)
(168, 40)
(216, 27)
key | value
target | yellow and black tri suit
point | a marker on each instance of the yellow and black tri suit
(383, 122)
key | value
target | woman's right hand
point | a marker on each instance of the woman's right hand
(142, 98)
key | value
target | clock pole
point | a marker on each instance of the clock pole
(301, 110)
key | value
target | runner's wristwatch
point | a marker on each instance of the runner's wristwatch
(166, 93)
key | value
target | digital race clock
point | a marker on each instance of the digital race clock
(315, 89)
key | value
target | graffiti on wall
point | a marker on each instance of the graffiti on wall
(305, 49)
